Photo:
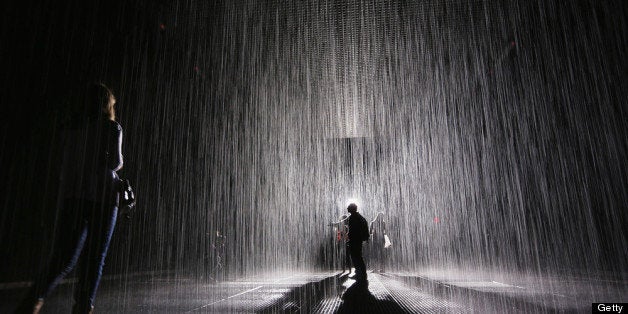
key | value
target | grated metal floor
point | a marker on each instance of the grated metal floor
(329, 292)
(385, 295)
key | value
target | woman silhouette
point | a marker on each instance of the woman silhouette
(378, 235)
(92, 144)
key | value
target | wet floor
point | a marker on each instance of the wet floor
(328, 292)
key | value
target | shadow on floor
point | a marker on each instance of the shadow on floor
(358, 299)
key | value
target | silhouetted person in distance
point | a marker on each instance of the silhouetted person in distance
(378, 234)
(340, 239)
(358, 232)
(92, 154)
(218, 249)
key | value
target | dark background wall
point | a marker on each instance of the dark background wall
(506, 121)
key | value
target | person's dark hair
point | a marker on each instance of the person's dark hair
(100, 102)
(352, 208)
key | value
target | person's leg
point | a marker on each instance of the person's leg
(219, 266)
(68, 242)
(383, 260)
(211, 265)
(361, 262)
(102, 222)
(347, 258)
(379, 249)
(355, 250)
(341, 256)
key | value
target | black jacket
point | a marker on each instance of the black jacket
(357, 227)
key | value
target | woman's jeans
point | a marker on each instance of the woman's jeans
(82, 236)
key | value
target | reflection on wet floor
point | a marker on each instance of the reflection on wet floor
(330, 292)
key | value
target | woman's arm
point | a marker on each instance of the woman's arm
(115, 161)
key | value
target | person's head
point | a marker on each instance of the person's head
(352, 208)
(101, 101)
(380, 216)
